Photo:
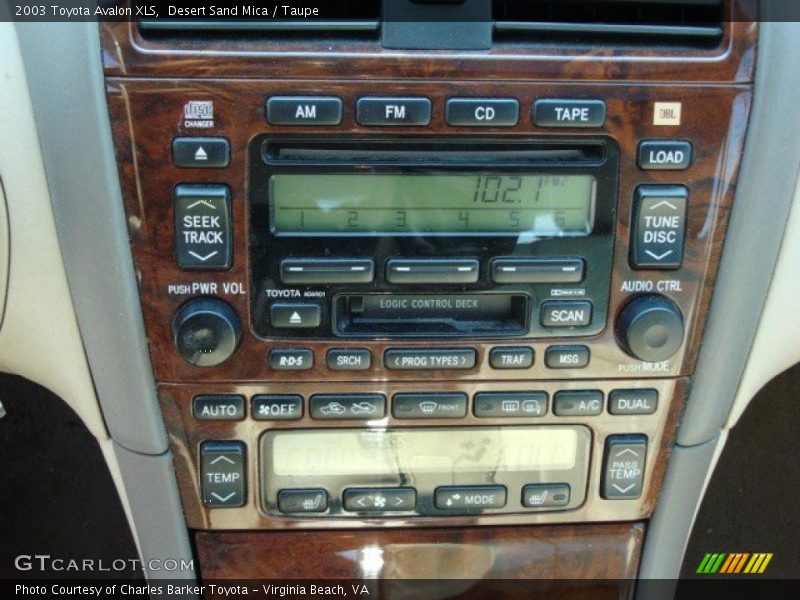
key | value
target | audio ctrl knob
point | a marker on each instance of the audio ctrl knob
(206, 331)
(650, 328)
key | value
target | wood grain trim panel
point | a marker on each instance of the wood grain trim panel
(599, 560)
(127, 53)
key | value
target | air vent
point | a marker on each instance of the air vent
(609, 22)
(341, 20)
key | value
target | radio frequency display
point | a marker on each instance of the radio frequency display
(541, 205)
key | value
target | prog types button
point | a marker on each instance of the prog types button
(623, 467)
(566, 357)
(379, 499)
(545, 495)
(537, 270)
(303, 501)
(510, 404)
(664, 154)
(482, 112)
(295, 316)
(452, 405)
(304, 271)
(393, 111)
(349, 359)
(470, 497)
(203, 227)
(291, 359)
(633, 402)
(304, 110)
(578, 403)
(222, 474)
(659, 226)
(347, 406)
(516, 357)
(566, 313)
(432, 271)
(277, 407)
(201, 152)
(218, 407)
(421, 358)
(569, 113)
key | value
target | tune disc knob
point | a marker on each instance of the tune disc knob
(650, 328)
(206, 331)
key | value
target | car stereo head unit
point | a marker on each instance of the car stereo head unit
(409, 237)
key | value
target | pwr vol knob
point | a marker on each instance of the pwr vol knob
(206, 331)
(650, 328)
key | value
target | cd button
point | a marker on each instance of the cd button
(566, 313)
(430, 406)
(482, 112)
(470, 497)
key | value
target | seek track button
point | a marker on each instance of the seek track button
(203, 227)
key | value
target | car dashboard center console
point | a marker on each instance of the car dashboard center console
(398, 291)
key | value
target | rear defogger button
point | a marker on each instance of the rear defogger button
(424, 359)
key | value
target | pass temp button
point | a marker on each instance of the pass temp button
(623, 467)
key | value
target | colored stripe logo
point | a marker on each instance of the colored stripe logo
(734, 563)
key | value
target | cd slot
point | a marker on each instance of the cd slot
(409, 315)
(431, 152)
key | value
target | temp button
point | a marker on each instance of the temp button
(623, 467)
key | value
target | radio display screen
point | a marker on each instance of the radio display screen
(386, 452)
(541, 205)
